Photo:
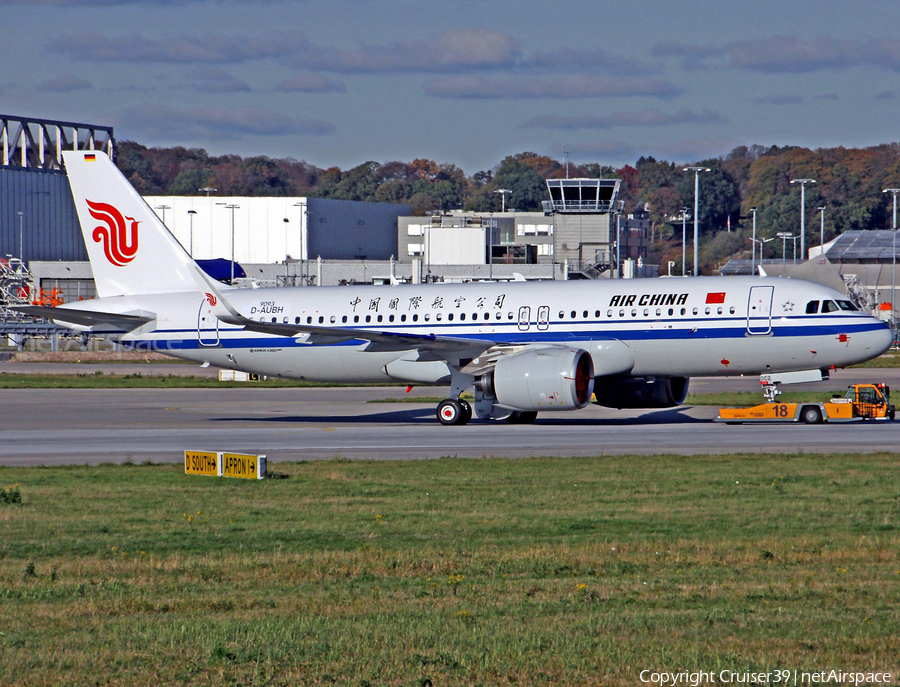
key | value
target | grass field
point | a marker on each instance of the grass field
(449, 572)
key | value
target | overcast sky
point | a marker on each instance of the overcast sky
(340, 82)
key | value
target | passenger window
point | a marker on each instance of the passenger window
(403, 318)
(415, 318)
(696, 311)
(707, 310)
(356, 318)
(812, 307)
(344, 319)
(658, 312)
(487, 316)
(450, 317)
(585, 314)
(731, 310)
(596, 313)
(634, 312)
(719, 311)
(621, 313)
(380, 318)
(609, 313)
(683, 311)
(562, 315)
(333, 319)
(646, 312)
(427, 317)
(462, 316)
(296, 320)
(321, 319)
(390, 318)
(309, 320)
(368, 318)
(438, 317)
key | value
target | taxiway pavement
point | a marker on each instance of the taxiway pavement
(70, 426)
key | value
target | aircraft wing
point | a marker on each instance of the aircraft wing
(378, 340)
(87, 318)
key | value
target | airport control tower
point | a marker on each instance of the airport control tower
(583, 211)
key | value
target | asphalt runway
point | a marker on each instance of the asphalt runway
(68, 426)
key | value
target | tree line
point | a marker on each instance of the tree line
(849, 184)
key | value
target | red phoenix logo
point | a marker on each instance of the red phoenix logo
(120, 242)
(210, 298)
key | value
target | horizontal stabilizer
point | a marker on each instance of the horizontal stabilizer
(87, 318)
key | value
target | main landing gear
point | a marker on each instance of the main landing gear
(454, 411)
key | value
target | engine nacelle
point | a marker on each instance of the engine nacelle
(641, 392)
(551, 378)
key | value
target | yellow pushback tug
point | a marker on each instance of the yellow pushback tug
(861, 402)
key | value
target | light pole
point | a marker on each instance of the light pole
(762, 242)
(21, 235)
(164, 208)
(893, 192)
(231, 207)
(803, 183)
(753, 257)
(503, 193)
(822, 229)
(191, 214)
(304, 223)
(784, 236)
(683, 240)
(696, 171)
(207, 190)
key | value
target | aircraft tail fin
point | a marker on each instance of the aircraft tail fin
(130, 249)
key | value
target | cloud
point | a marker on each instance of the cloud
(212, 48)
(165, 123)
(567, 58)
(210, 79)
(887, 95)
(449, 51)
(458, 51)
(789, 54)
(312, 83)
(477, 87)
(652, 117)
(618, 151)
(795, 99)
(64, 83)
(604, 150)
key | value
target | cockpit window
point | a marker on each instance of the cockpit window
(847, 305)
(830, 306)
(812, 307)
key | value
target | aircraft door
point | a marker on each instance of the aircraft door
(759, 310)
(207, 324)
(524, 318)
(543, 321)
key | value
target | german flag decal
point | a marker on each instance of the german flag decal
(715, 298)
(90, 157)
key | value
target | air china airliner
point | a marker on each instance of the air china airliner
(523, 347)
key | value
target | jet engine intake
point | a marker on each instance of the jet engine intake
(550, 378)
(641, 392)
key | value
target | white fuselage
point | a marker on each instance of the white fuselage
(672, 327)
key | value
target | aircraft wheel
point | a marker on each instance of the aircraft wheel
(466, 410)
(811, 415)
(450, 412)
(521, 417)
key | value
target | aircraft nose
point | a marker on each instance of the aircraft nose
(878, 340)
